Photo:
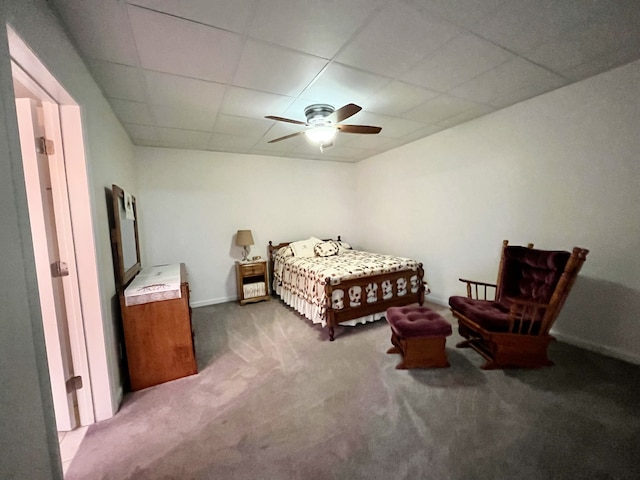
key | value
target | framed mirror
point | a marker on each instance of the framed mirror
(125, 237)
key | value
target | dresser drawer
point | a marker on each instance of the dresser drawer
(252, 269)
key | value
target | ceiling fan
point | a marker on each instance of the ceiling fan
(324, 121)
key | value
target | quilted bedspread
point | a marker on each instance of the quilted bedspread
(300, 280)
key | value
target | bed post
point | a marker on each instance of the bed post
(270, 272)
(328, 311)
(421, 289)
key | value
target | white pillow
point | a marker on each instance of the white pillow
(304, 248)
(342, 247)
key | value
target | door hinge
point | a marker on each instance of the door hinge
(59, 269)
(44, 146)
(74, 383)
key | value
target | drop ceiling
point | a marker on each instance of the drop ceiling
(202, 74)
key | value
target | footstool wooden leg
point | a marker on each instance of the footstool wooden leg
(394, 342)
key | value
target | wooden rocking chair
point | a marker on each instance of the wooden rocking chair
(512, 329)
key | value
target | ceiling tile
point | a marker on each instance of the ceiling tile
(101, 29)
(600, 64)
(182, 92)
(460, 12)
(397, 97)
(400, 127)
(234, 16)
(469, 114)
(243, 102)
(369, 142)
(139, 133)
(517, 75)
(525, 24)
(439, 109)
(276, 70)
(395, 40)
(183, 47)
(318, 28)
(153, 143)
(559, 55)
(423, 132)
(295, 111)
(190, 139)
(279, 130)
(593, 39)
(250, 127)
(308, 150)
(392, 127)
(415, 66)
(119, 81)
(521, 94)
(183, 118)
(131, 112)
(339, 85)
(344, 152)
(224, 140)
(457, 62)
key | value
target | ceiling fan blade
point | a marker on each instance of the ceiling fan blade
(344, 112)
(288, 120)
(358, 129)
(285, 137)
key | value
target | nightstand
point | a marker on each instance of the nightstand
(253, 281)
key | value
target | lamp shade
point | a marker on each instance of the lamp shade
(244, 238)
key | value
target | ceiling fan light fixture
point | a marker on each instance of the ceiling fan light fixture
(324, 122)
(322, 135)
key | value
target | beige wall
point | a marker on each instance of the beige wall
(559, 170)
(192, 203)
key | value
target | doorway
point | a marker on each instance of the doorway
(54, 253)
(60, 116)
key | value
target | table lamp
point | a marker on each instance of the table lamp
(244, 239)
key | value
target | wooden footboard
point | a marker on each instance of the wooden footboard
(362, 296)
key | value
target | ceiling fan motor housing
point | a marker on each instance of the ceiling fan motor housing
(317, 113)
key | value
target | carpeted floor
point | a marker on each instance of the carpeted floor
(274, 399)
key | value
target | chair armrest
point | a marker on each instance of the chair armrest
(475, 288)
(525, 315)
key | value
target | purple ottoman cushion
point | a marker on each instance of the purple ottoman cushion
(415, 321)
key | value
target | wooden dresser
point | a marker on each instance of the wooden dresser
(158, 333)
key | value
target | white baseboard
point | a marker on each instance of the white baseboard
(213, 301)
(437, 300)
(119, 396)
(597, 348)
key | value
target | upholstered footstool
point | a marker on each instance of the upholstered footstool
(419, 334)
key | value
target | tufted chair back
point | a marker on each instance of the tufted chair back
(530, 274)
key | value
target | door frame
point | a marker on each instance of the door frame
(59, 302)
(81, 207)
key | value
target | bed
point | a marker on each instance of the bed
(332, 284)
